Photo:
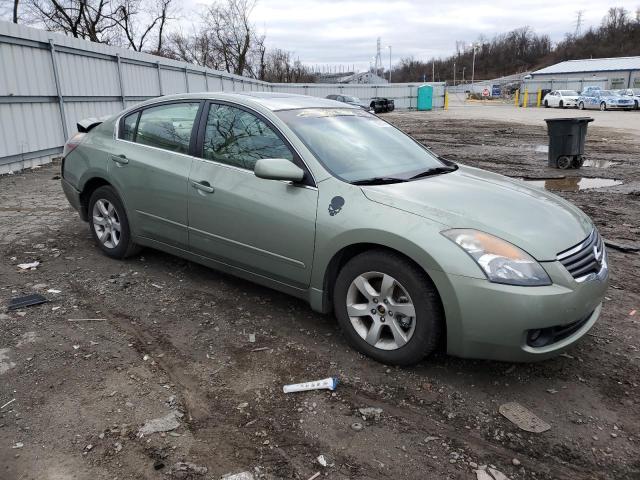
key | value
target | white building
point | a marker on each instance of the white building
(620, 72)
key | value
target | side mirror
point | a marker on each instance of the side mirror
(278, 169)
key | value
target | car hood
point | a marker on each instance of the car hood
(535, 220)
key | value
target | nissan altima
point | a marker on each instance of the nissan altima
(329, 203)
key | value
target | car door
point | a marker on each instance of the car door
(150, 169)
(266, 227)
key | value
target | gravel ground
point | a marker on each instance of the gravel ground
(157, 337)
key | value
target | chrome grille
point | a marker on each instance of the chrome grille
(584, 258)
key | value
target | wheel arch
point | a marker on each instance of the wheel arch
(342, 256)
(346, 253)
(90, 186)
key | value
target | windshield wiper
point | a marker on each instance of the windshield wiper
(434, 171)
(379, 181)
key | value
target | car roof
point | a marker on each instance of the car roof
(271, 101)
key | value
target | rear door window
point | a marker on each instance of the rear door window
(167, 126)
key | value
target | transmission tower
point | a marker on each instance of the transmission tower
(579, 14)
(378, 65)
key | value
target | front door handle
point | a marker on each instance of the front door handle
(203, 186)
(121, 159)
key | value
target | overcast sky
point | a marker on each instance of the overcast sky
(336, 31)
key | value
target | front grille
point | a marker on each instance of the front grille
(584, 258)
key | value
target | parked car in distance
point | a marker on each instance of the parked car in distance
(561, 99)
(604, 100)
(633, 93)
(382, 104)
(332, 204)
(355, 101)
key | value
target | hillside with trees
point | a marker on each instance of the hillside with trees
(523, 50)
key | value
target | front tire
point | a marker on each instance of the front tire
(581, 106)
(561, 104)
(603, 106)
(388, 308)
(546, 104)
(109, 224)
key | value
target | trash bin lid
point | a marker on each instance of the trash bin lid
(569, 119)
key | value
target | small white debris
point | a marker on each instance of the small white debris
(8, 403)
(515, 462)
(53, 290)
(146, 357)
(370, 413)
(88, 448)
(29, 266)
(76, 347)
(159, 287)
(324, 461)
(523, 418)
(430, 439)
(239, 476)
(252, 338)
(18, 445)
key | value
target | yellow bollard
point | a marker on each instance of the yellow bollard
(539, 98)
(517, 96)
(525, 99)
(446, 100)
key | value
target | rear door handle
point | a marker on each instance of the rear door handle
(121, 159)
(203, 186)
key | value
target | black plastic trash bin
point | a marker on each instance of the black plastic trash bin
(566, 141)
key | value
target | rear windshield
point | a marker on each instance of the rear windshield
(354, 145)
(568, 92)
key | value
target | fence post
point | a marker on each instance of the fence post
(186, 78)
(56, 77)
(159, 78)
(517, 97)
(539, 98)
(446, 99)
(120, 80)
(525, 99)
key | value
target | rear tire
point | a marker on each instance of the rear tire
(391, 281)
(546, 104)
(561, 104)
(603, 106)
(109, 224)
(581, 106)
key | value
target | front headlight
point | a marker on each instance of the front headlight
(501, 261)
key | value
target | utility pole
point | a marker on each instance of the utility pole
(389, 63)
(463, 69)
(473, 64)
(454, 74)
(433, 70)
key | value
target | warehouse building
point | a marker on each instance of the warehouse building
(619, 72)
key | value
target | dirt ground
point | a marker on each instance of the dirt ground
(156, 336)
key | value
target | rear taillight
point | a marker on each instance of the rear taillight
(72, 143)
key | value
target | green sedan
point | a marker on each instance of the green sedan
(331, 204)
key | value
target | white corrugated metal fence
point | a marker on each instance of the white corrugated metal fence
(48, 82)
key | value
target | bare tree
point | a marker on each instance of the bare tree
(88, 19)
(233, 33)
(138, 26)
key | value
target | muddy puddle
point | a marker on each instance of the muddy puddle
(573, 184)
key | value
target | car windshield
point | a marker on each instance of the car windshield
(355, 145)
(568, 92)
(606, 93)
(351, 99)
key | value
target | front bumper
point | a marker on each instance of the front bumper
(492, 321)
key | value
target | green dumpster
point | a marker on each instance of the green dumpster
(425, 97)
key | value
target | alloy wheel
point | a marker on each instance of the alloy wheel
(106, 223)
(381, 310)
